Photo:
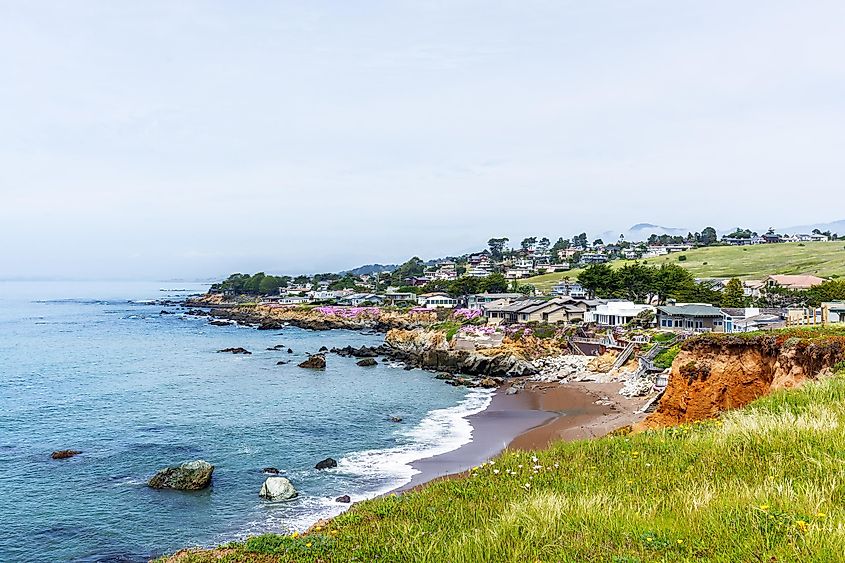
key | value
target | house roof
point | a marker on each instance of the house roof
(691, 310)
(796, 282)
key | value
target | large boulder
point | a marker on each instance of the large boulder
(344, 499)
(238, 350)
(190, 476)
(277, 488)
(367, 362)
(327, 463)
(317, 361)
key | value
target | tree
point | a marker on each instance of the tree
(598, 242)
(670, 279)
(543, 245)
(599, 280)
(708, 236)
(410, 269)
(270, 285)
(528, 243)
(253, 284)
(833, 290)
(636, 280)
(497, 247)
(733, 294)
(494, 283)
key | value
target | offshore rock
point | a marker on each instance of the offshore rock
(317, 361)
(234, 350)
(64, 454)
(327, 463)
(344, 499)
(367, 362)
(277, 488)
(189, 476)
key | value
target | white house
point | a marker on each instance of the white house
(616, 313)
(437, 301)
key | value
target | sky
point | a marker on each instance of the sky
(165, 140)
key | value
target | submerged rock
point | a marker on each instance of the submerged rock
(189, 476)
(277, 488)
(234, 351)
(270, 470)
(327, 463)
(367, 362)
(395, 419)
(317, 361)
(64, 454)
(281, 362)
(344, 499)
(219, 323)
(290, 351)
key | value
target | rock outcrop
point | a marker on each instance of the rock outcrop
(189, 476)
(317, 361)
(714, 373)
(343, 499)
(277, 488)
(431, 350)
(367, 362)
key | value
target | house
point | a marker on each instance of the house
(568, 253)
(291, 300)
(569, 289)
(517, 273)
(480, 300)
(799, 282)
(833, 312)
(772, 238)
(328, 295)
(593, 258)
(400, 298)
(358, 299)
(537, 310)
(616, 312)
(445, 271)
(437, 301)
(691, 317)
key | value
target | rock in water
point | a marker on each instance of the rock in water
(190, 476)
(235, 350)
(327, 463)
(323, 349)
(395, 419)
(344, 499)
(367, 362)
(317, 361)
(277, 488)
(270, 470)
(64, 454)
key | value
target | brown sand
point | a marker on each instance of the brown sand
(532, 419)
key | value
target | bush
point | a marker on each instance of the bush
(665, 358)
(682, 258)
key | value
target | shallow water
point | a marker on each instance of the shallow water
(96, 367)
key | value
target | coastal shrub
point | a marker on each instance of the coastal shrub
(762, 483)
(664, 359)
(682, 258)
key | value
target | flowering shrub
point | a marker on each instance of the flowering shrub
(349, 312)
(466, 314)
(474, 330)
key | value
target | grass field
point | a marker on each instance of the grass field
(764, 483)
(822, 259)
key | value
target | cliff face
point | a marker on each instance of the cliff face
(429, 349)
(715, 373)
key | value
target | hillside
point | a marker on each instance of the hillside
(823, 259)
(757, 484)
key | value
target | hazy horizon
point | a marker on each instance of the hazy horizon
(191, 140)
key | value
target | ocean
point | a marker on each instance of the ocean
(97, 367)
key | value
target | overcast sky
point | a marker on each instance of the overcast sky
(192, 139)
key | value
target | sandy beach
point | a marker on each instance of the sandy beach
(536, 416)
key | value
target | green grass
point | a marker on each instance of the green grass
(823, 259)
(764, 483)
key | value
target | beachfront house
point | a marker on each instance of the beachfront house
(555, 310)
(437, 301)
(691, 317)
(358, 299)
(616, 312)
(479, 301)
(400, 298)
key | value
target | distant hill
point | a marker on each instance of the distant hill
(371, 269)
(833, 227)
(641, 232)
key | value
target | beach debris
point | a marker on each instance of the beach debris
(344, 499)
(327, 463)
(238, 350)
(270, 471)
(189, 476)
(317, 361)
(367, 362)
(64, 454)
(277, 488)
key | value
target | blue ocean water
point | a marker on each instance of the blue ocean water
(97, 368)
